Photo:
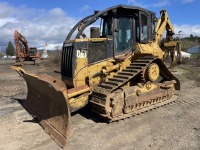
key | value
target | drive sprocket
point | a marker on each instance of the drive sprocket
(152, 72)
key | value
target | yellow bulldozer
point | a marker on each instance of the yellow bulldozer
(112, 61)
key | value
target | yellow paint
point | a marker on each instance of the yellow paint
(81, 72)
(150, 48)
(78, 102)
(153, 72)
(171, 44)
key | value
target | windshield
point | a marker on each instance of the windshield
(123, 34)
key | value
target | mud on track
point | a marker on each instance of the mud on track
(174, 126)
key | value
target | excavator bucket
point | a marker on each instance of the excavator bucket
(47, 102)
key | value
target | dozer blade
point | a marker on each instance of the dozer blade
(47, 101)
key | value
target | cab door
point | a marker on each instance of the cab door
(123, 36)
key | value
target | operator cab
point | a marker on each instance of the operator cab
(33, 52)
(114, 34)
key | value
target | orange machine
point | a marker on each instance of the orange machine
(23, 52)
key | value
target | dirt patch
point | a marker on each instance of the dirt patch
(175, 126)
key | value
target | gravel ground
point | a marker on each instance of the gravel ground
(174, 126)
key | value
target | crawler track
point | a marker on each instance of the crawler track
(102, 92)
(152, 105)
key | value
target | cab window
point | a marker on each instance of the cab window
(123, 34)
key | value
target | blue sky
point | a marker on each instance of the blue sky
(49, 21)
(180, 11)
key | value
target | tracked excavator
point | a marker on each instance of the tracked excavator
(119, 70)
(23, 52)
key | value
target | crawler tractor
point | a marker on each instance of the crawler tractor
(118, 69)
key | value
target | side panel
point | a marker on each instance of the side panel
(82, 58)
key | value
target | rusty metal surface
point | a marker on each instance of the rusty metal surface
(131, 100)
(47, 101)
(152, 105)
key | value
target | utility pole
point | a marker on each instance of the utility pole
(179, 47)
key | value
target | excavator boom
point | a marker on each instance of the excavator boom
(163, 24)
(22, 49)
(19, 38)
(170, 45)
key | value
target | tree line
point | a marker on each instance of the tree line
(10, 50)
(192, 38)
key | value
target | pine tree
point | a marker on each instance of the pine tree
(10, 50)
